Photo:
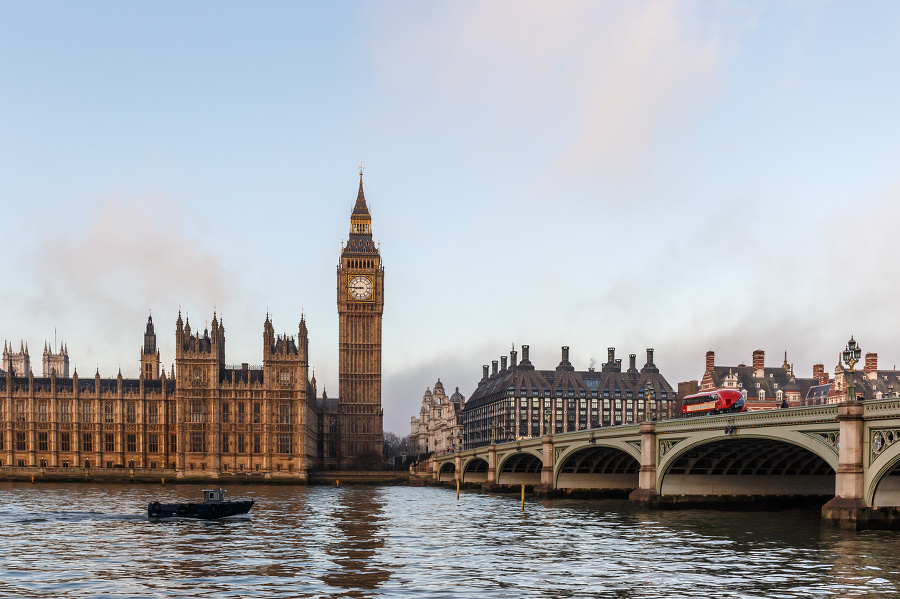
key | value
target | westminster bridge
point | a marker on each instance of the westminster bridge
(848, 452)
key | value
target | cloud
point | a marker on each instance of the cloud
(597, 83)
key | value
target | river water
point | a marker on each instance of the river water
(69, 540)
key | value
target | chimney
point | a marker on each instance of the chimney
(759, 363)
(502, 363)
(632, 362)
(525, 353)
(871, 368)
(513, 359)
(710, 360)
(618, 365)
(565, 353)
(650, 356)
(493, 367)
(819, 374)
(610, 355)
(484, 371)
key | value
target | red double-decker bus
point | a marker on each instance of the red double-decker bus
(717, 401)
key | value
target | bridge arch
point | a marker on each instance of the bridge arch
(598, 466)
(748, 464)
(520, 468)
(447, 472)
(474, 470)
(882, 485)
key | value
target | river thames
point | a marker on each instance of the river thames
(69, 540)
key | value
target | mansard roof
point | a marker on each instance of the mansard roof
(774, 379)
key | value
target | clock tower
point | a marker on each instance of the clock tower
(360, 302)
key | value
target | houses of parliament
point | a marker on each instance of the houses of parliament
(204, 418)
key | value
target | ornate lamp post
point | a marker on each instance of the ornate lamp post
(851, 358)
(648, 397)
(547, 414)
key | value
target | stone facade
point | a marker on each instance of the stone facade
(517, 401)
(208, 418)
(437, 428)
(763, 387)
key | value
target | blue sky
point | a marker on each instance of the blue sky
(686, 176)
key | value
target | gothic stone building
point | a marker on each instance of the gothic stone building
(206, 418)
(437, 428)
(519, 401)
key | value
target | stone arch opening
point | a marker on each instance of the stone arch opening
(887, 489)
(748, 467)
(447, 472)
(598, 467)
(520, 469)
(475, 471)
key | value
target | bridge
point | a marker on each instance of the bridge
(849, 453)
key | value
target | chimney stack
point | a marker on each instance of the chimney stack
(871, 368)
(819, 374)
(759, 363)
(484, 372)
(502, 363)
(710, 360)
(610, 355)
(493, 367)
(565, 353)
(632, 362)
(513, 359)
(525, 353)
(650, 356)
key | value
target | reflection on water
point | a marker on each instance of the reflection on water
(96, 541)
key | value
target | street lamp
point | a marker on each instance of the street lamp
(851, 357)
(547, 415)
(648, 397)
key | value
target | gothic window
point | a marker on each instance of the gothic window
(173, 411)
(108, 413)
(153, 443)
(173, 443)
(284, 414)
(197, 376)
(225, 411)
(153, 412)
(284, 443)
(197, 443)
(86, 413)
(42, 442)
(257, 444)
(241, 445)
(241, 407)
(109, 442)
(64, 411)
(225, 445)
(20, 441)
(256, 412)
(131, 442)
(198, 411)
(130, 413)
(42, 411)
(65, 442)
(87, 442)
(20, 411)
(285, 376)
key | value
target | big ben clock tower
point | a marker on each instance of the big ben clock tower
(360, 301)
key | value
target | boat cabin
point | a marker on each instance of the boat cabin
(211, 496)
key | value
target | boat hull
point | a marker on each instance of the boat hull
(203, 511)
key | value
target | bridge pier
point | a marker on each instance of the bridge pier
(646, 491)
(848, 509)
(547, 467)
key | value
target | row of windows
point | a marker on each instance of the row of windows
(197, 411)
(581, 392)
(197, 442)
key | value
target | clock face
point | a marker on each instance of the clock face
(360, 287)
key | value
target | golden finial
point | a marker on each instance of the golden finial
(361, 167)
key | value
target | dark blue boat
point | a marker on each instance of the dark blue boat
(213, 506)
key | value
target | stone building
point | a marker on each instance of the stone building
(437, 428)
(56, 362)
(516, 401)
(207, 417)
(763, 387)
(20, 362)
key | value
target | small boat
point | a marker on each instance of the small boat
(213, 506)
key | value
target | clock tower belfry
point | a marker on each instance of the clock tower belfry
(360, 302)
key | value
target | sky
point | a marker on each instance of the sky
(687, 176)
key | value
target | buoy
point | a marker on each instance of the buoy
(164, 482)
(337, 483)
(32, 479)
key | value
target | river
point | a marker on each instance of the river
(71, 540)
